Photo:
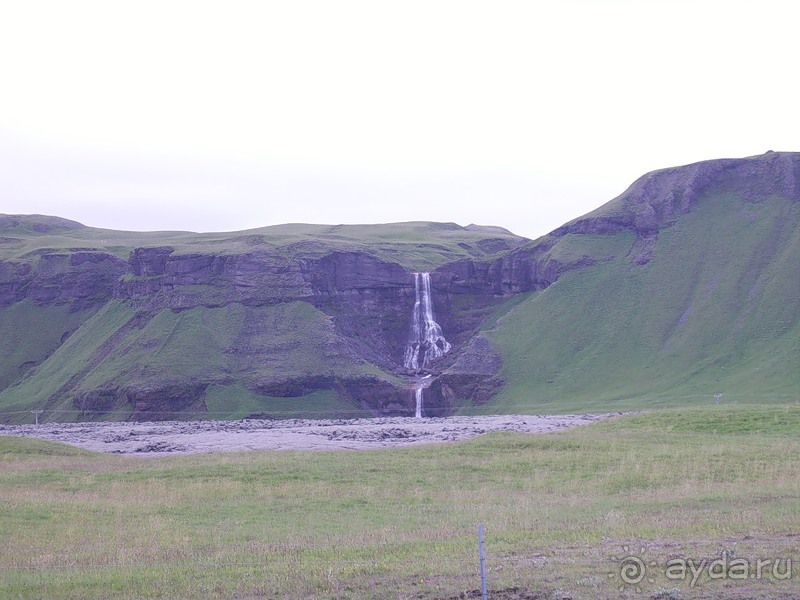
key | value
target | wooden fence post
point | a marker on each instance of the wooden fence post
(482, 559)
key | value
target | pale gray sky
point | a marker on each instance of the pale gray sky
(230, 115)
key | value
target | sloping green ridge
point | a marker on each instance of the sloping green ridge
(231, 348)
(716, 310)
(31, 333)
(71, 360)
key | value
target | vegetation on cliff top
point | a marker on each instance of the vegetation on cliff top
(417, 245)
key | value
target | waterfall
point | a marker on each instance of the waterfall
(418, 396)
(420, 385)
(427, 341)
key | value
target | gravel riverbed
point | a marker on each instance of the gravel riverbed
(190, 437)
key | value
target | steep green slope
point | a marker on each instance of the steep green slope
(226, 362)
(716, 310)
(74, 359)
(31, 333)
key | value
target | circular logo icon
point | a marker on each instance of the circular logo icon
(632, 570)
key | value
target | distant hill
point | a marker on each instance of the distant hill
(684, 287)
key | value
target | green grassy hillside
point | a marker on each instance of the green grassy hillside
(174, 357)
(716, 310)
(31, 333)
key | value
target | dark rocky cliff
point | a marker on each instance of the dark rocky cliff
(81, 278)
(367, 299)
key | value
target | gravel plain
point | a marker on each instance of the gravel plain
(191, 437)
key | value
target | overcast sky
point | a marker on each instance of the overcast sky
(212, 116)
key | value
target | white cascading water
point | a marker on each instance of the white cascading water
(427, 342)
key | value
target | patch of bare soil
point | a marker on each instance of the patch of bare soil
(509, 594)
(189, 437)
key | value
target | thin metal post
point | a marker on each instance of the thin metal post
(36, 414)
(482, 559)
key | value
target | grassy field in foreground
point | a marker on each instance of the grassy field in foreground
(560, 512)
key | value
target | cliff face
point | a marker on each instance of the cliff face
(210, 299)
(80, 278)
(656, 200)
(184, 321)
(254, 278)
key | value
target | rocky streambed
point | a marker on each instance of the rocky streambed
(191, 437)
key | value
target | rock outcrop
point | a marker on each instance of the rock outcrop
(657, 199)
(81, 278)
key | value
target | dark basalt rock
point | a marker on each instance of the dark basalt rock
(474, 377)
(147, 262)
(82, 279)
(147, 403)
(295, 387)
(14, 279)
(380, 397)
(255, 278)
(523, 270)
